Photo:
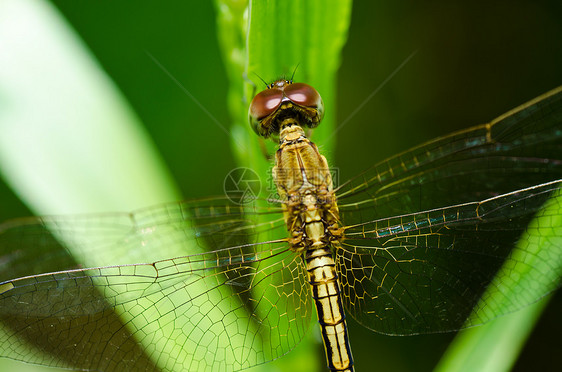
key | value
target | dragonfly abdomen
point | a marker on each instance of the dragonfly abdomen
(326, 293)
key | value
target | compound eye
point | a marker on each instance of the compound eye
(303, 94)
(265, 103)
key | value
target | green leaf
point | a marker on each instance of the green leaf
(495, 346)
(70, 141)
(68, 133)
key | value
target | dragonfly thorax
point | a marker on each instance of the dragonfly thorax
(304, 183)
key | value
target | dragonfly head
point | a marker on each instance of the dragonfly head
(283, 99)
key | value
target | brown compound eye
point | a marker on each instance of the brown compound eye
(264, 104)
(304, 95)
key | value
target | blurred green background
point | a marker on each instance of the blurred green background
(474, 61)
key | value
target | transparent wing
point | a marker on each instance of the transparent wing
(427, 230)
(520, 149)
(224, 310)
(253, 295)
(425, 272)
(228, 309)
(36, 245)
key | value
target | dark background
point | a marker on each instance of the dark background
(474, 61)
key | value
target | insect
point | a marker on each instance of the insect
(410, 246)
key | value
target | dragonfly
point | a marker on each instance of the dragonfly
(413, 245)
